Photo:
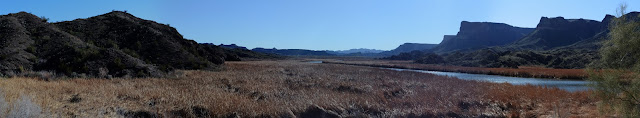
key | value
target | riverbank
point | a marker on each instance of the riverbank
(287, 88)
(531, 72)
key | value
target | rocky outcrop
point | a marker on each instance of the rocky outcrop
(477, 35)
(447, 38)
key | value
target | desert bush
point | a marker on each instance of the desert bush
(3, 105)
(617, 75)
(21, 108)
(44, 19)
(24, 108)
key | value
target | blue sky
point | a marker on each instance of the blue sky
(322, 24)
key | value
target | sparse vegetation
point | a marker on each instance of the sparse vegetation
(617, 74)
(44, 19)
(22, 107)
(290, 87)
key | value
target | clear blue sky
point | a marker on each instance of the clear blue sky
(321, 24)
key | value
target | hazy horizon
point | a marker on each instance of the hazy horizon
(322, 25)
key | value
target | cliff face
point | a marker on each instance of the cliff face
(556, 32)
(476, 35)
(116, 44)
(447, 38)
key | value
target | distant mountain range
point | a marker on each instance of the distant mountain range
(555, 42)
(293, 52)
(359, 50)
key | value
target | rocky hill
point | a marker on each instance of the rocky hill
(115, 44)
(477, 35)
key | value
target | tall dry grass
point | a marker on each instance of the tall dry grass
(279, 88)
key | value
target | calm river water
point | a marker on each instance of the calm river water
(568, 85)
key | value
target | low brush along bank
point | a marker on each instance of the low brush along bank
(534, 72)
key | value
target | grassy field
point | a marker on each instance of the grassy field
(536, 72)
(288, 88)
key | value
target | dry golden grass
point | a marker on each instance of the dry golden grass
(537, 101)
(290, 87)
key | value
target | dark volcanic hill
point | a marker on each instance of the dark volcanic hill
(477, 35)
(144, 39)
(116, 44)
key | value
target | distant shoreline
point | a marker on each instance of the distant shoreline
(533, 72)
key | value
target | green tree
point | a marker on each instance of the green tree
(616, 76)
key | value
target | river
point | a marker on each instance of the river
(568, 85)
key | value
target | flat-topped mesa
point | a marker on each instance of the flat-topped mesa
(551, 22)
(561, 22)
(477, 35)
(558, 31)
(466, 26)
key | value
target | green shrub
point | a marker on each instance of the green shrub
(616, 77)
